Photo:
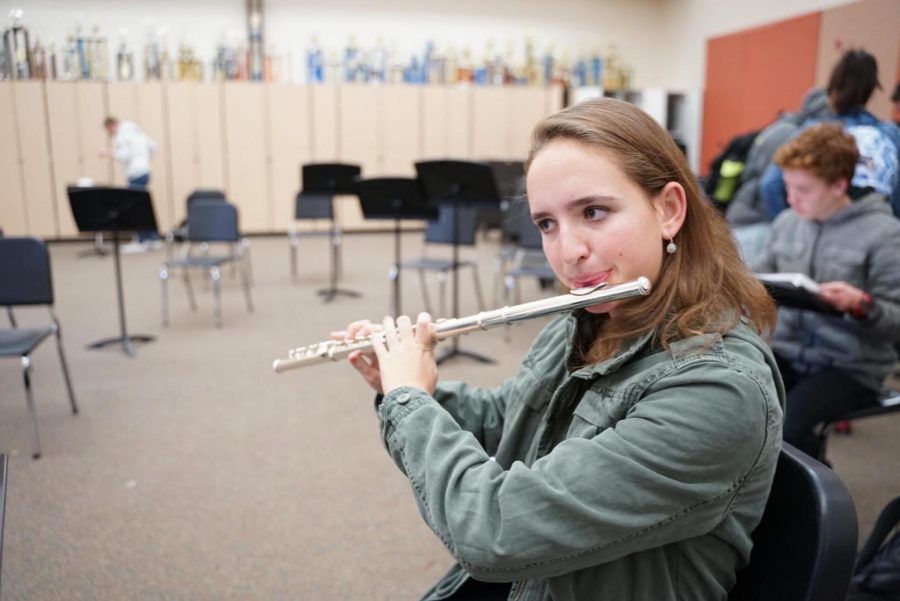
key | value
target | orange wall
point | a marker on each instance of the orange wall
(753, 75)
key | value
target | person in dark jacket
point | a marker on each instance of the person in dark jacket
(833, 363)
(746, 213)
(850, 86)
(631, 456)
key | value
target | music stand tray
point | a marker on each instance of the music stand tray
(458, 182)
(107, 209)
(331, 179)
(394, 198)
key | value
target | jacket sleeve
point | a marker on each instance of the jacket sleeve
(884, 287)
(668, 471)
(771, 190)
(476, 410)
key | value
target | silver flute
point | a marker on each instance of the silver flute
(335, 350)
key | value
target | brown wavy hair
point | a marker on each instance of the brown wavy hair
(825, 150)
(704, 287)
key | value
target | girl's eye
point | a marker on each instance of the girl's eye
(595, 212)
(544, 225)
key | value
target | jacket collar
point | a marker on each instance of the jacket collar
(606, 366)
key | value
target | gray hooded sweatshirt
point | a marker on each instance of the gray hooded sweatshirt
(746, 207)
(859, 245)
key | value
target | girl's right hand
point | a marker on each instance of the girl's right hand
(365, 362)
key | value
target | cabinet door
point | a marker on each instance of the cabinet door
(34, 149)
(92, 109)
(446, 121)
(209, 118)
(181, 102)
(325, 123)
(490, 123)
(527, 106)
(360, 111)
(290, 146)
(122, 98)
(245, 139)
(13, 219)
(401, 135)
(151, 118)
(65, 148)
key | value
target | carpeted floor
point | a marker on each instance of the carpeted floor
(195, 472)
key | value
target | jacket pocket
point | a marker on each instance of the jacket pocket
(599, 409)
(843, 265)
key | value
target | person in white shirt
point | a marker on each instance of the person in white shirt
(134, 149)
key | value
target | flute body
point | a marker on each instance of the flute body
(335, 350)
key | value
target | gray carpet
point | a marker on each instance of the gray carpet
(195, 472)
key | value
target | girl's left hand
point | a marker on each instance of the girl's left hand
(406, 358)
(841, 295)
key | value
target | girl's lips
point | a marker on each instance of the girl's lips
(590, 282)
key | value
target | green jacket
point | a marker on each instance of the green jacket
(638, 478)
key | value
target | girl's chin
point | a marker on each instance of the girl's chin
(600, 309)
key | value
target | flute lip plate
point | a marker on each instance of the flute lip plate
(587, 289)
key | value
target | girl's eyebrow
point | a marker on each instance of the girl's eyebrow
(576, 204)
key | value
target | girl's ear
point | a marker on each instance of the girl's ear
(671, 208)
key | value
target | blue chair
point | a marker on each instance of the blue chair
(805, 545)
(442, 231)
(25, 279)
(3, 468)
(209, 221)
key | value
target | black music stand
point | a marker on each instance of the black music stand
(115, 210)
(330, 180)
(394, 198)
(457, 183)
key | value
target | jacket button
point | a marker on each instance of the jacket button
(403, 398)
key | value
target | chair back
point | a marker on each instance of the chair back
(205, 195)
(25, 272)
(3, 468)
(443, 230)
(312, 206)
(805, 544)
(213, 221)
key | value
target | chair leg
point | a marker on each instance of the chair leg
(245, 253)
(65, 368)
(442, 295)
(164, 293)
(245, 282)
(190, 291)
(26, 374)
(478, 292)
(294, 242)
(216, 275)
(425, 297)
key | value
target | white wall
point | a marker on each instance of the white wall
(688, 24)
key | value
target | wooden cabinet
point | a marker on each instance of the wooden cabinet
(194, 134)
(290, 146)
(245, 138)
(246, 146)
(13, 219)
(34, 154)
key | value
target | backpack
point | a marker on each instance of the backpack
(877, 166)
(727, 167)
(877, 571)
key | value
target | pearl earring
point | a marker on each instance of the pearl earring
(671, 247)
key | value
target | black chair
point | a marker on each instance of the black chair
(888, 402)
(180, 233)
(318, 209)
(529, 260)
(3, 469)
(209, 221)
(805, 546)
(25, 279)
(441, 231)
